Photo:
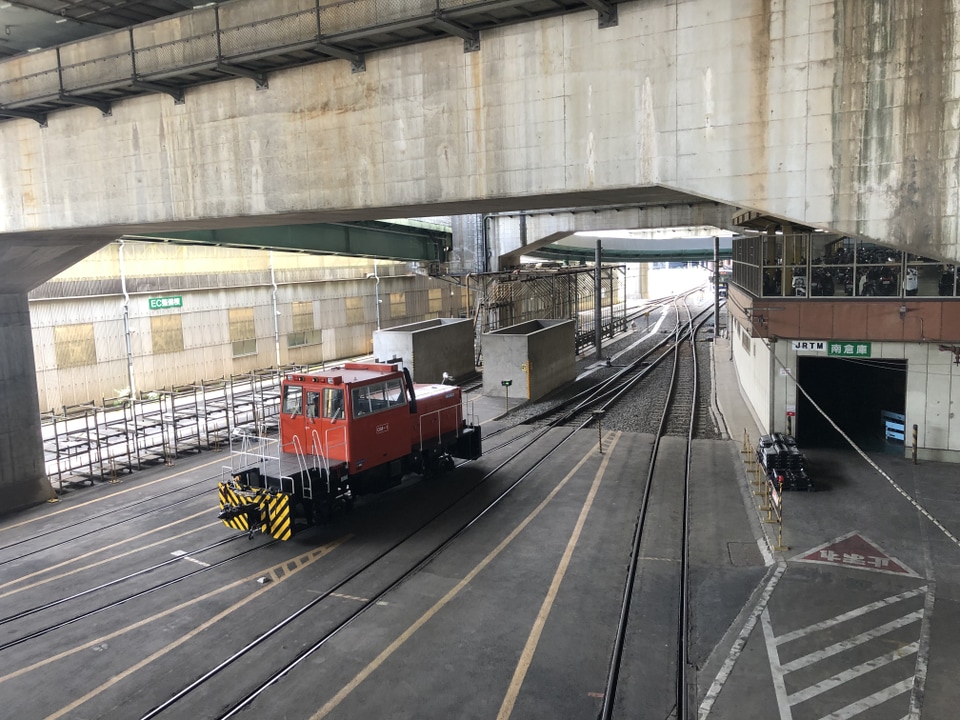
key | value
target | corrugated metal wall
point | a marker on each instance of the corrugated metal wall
(210, 282)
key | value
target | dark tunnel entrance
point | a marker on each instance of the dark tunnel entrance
(854, 393)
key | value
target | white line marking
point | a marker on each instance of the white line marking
(877, 698)
(776, 669)
(839, 647)
(920, 675)
(857, 612)
(764, 546)
(714, 692)
(183, 554)
(852, 673)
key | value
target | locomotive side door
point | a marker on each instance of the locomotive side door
(292, 419)
(324, 424)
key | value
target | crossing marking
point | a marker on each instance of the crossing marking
(912, 684)
(854, 709)
(860, 639)
(851, 673)
(787, 637)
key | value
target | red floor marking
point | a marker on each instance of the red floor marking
(856, 552)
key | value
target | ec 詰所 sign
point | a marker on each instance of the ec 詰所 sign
(165, 303)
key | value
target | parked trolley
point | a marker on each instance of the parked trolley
(349, 431)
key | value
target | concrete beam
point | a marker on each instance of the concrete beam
(23, 480)
(513, 235)
(381, 240)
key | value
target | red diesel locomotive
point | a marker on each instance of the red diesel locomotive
(354, 429)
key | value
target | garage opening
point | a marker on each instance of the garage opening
(864, 396)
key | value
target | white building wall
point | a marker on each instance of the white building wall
(165, 270)
(752, 361)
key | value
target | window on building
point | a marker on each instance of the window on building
(243, 332)
(354, 310)
(436, 301)
(75, 345)
(167, 333)
(398, 305)
(304, 331)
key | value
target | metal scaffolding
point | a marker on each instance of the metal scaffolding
(507, 299)
(89, 442)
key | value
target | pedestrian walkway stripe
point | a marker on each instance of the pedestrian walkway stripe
(860, 639)
(854, 709)
(714, 692)
(853, 673)
(787, 637)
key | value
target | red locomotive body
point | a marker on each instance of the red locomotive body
(351, 430)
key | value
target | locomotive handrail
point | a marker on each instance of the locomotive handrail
(299, 454)
(343, 434)
(470, 416)
(457, 407)
(318, 451)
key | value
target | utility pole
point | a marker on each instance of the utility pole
(597, 303)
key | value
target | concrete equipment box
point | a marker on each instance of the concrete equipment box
(535, 357)
(430, 348)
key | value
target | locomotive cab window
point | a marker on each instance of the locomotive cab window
(293, 400)
(380, 396)
(313, 404)
(332, 403)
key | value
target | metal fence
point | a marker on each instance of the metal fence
(506, 299)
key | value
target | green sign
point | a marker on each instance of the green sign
(165, 303)
(848, 349)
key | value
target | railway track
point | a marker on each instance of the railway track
(575, 417)
(70, 620)
(288, 629)
(678, 417)
(92, 519)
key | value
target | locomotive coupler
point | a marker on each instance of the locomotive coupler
(251, 510)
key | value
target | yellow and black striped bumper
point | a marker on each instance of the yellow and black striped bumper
(271, 515)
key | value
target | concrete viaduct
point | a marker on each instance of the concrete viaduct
(828, 114)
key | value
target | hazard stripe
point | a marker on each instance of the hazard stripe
(274, 510)
(280, 526)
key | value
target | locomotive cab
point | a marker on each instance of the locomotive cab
(356, 415)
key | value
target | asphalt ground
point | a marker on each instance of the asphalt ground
(515, 618)
(858, 615)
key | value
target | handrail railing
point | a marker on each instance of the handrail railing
(456, 408)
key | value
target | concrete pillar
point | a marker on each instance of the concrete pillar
(23, 481)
